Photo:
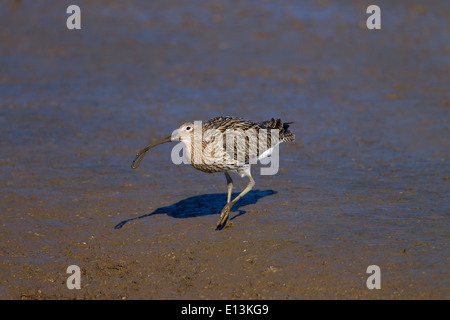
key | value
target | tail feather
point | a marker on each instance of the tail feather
(285, 135)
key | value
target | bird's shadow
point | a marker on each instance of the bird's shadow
(203, 205)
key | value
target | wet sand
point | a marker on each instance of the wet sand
(365, 183)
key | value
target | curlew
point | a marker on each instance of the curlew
(228, 145)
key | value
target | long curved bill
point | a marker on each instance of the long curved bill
(137, 160)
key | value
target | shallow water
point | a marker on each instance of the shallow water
(366, 182)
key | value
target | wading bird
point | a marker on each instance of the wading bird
(228, 145)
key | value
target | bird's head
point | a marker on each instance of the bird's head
(184, 133)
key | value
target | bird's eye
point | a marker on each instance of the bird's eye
(188, 128)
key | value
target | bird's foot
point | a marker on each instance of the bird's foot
(224, 217)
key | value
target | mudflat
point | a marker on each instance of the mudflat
(365, 183)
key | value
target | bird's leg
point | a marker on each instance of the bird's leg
(229, 185)
(226, 210)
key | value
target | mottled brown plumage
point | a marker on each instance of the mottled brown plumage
(228, 145)
(234, 128)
